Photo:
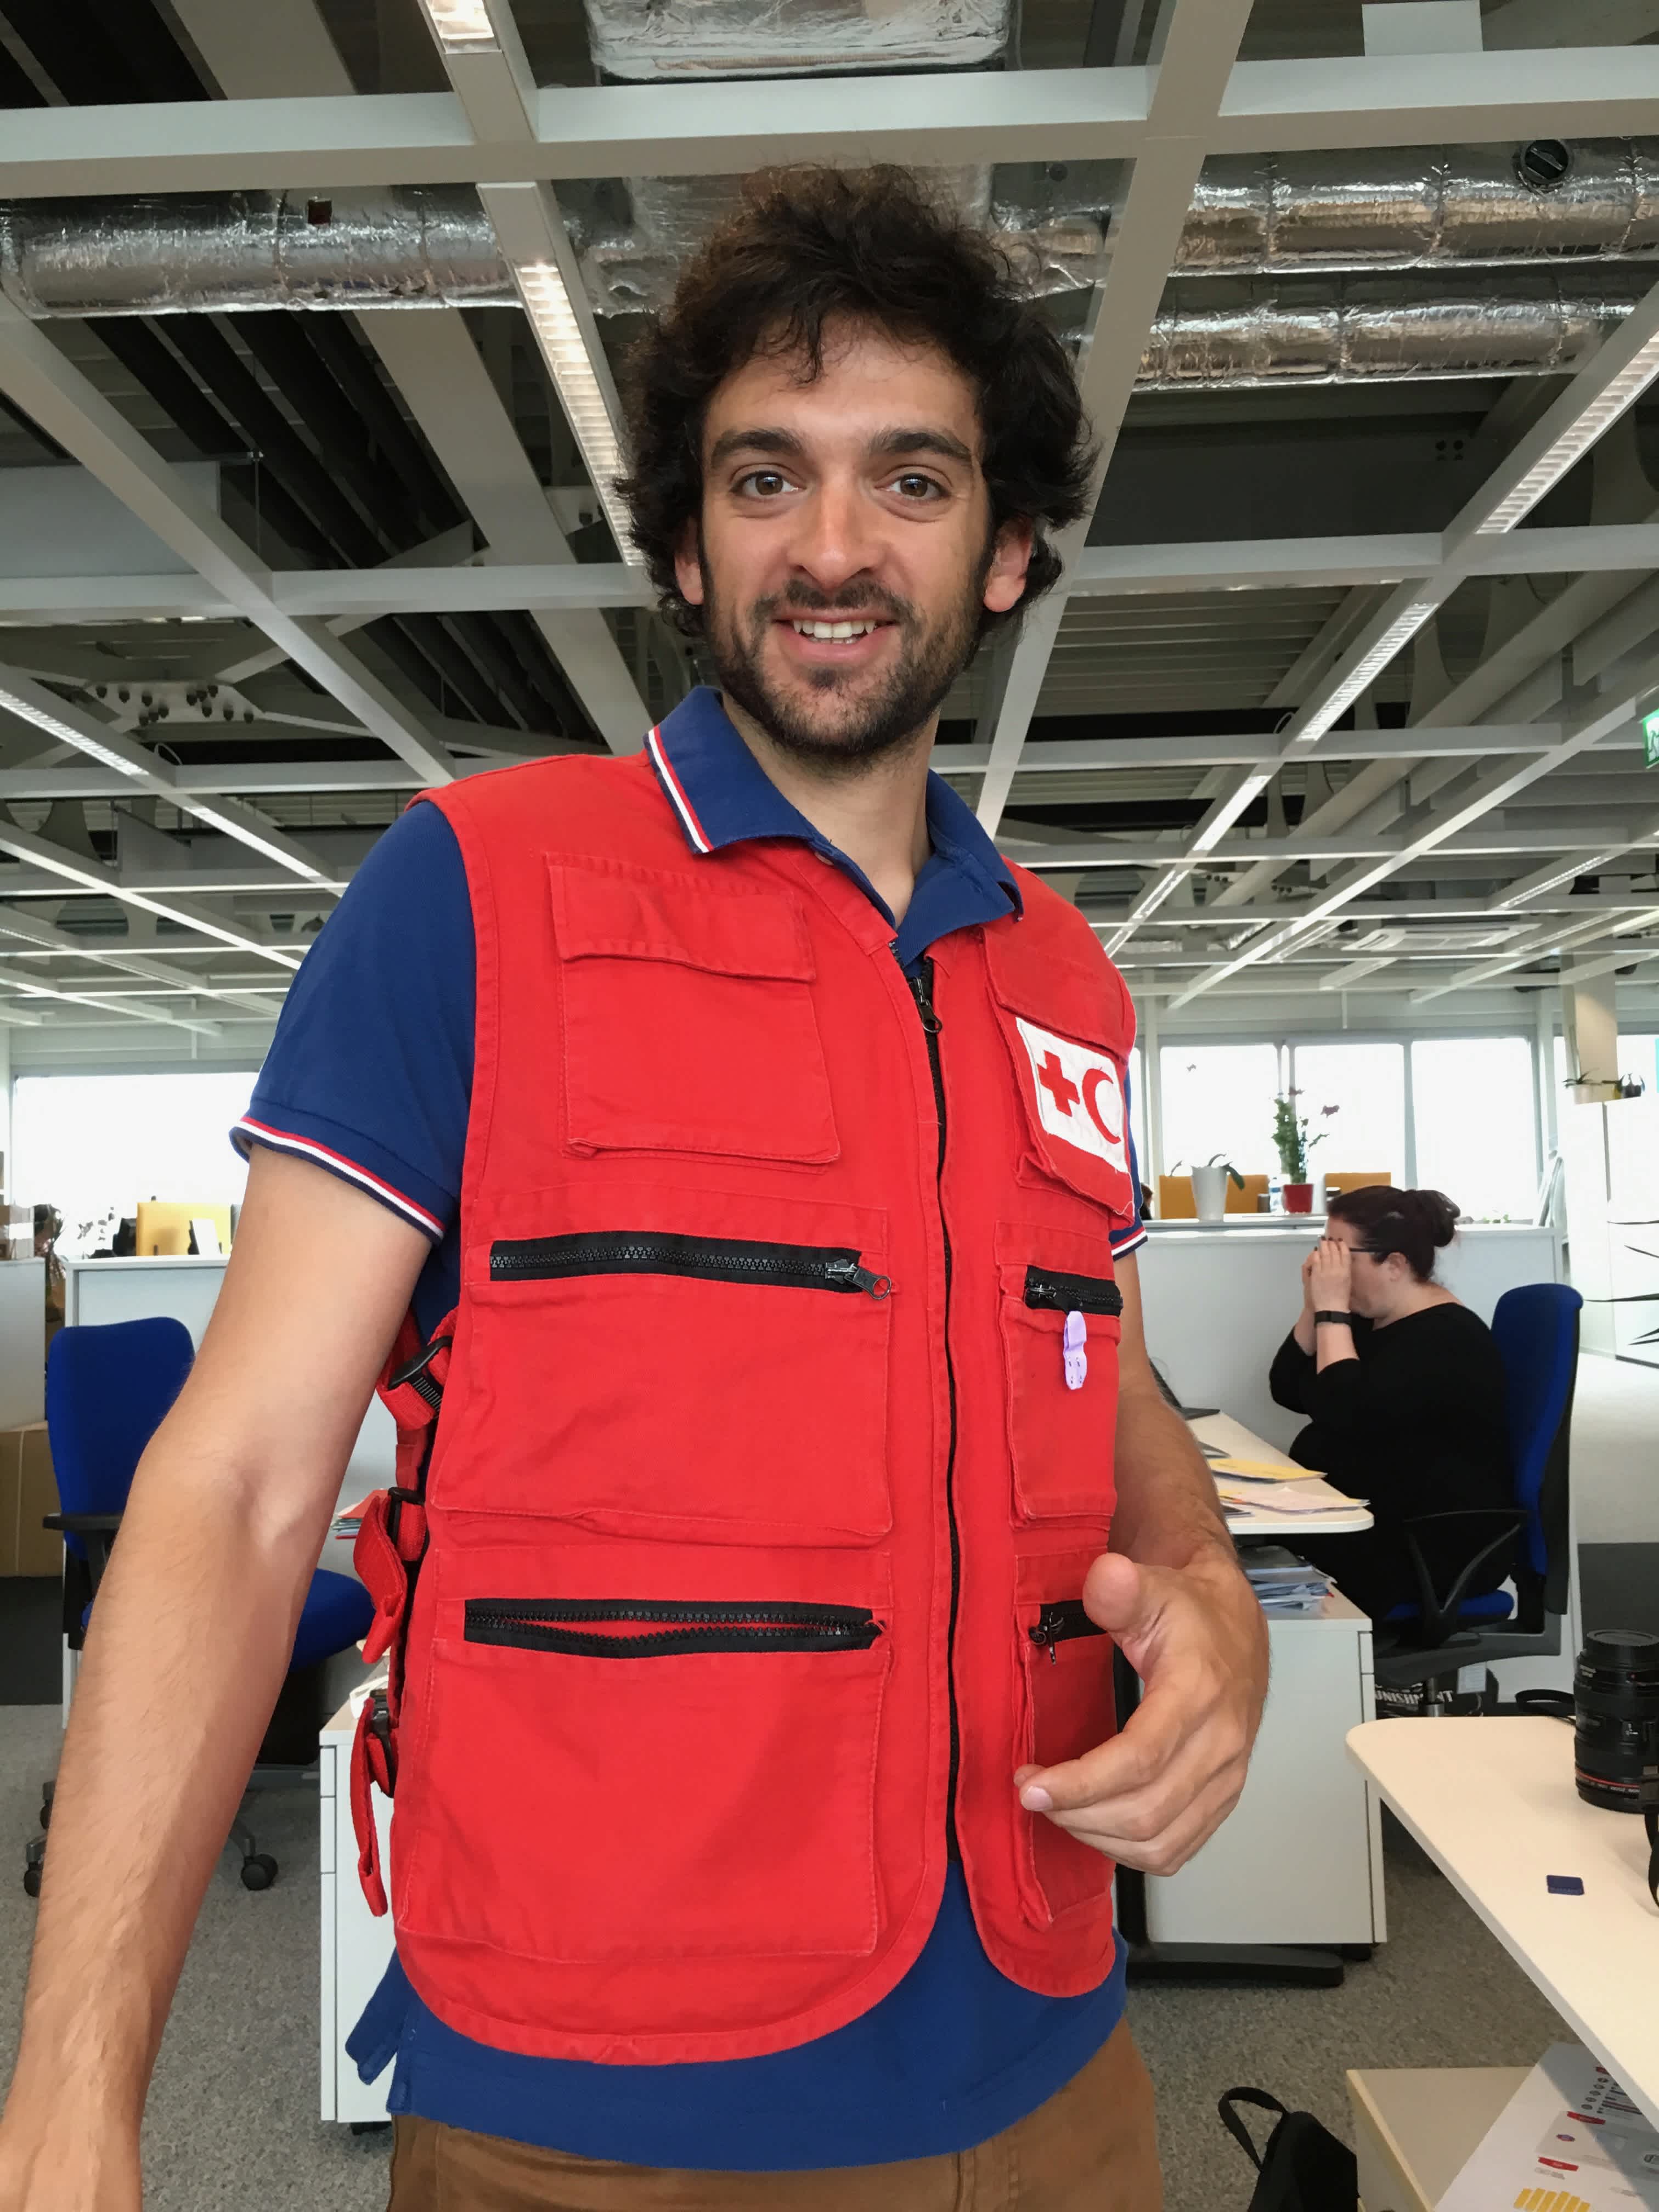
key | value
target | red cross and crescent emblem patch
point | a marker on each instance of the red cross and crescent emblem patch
(1079, 1098)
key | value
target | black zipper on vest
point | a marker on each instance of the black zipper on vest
(1059, 1622)
(921, 989)
(1090, 1294)
(535, 1625)
(718, 1259)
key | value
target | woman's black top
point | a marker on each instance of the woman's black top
(1415, 1424)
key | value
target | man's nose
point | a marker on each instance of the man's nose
(837, 540)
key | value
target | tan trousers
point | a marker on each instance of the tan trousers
(1092, 2147)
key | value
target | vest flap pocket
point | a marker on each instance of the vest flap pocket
(1067, 1709)
(1059, 1309)
(1068, 1030)
(613, 910)
(697, 1366)
(753, 1730)
(688, 1022)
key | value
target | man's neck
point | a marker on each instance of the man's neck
(877, 814)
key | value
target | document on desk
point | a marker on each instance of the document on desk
(1282, 1498)
(1570, 2139)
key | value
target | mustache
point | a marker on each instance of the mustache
(857, 600)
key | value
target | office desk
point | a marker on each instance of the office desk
(356, 1948)
(1348, 1517)
(1491, 1802)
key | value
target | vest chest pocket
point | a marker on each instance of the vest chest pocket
(1060, 1326)
(688, 1017)
(1065, 1709)
(692, 1384)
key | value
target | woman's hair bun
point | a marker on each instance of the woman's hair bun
(1440, 1214)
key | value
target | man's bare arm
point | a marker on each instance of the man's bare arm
(1171, 1592)
(189, 1643)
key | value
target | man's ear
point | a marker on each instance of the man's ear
(688, 569)
(1011, 556)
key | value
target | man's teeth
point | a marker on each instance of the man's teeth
(835, 629)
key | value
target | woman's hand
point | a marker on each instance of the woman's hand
(1328, 1276)
(1307, 1279)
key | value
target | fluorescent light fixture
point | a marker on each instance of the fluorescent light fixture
(1621, 392)
(233, 828)
(28, 709)
(1583, 864)
(1216, 829)
(1369, 664)
(553, 318)
(463, 23)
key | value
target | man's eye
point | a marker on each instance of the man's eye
(764, 483)
(912, 485)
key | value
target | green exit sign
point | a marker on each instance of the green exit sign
(1650, 738)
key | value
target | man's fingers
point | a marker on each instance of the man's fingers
(1149, 1741)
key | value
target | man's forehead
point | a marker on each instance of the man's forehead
(867, 385)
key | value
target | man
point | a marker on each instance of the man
(753, 1145)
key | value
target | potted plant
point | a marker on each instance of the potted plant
(1595, 1090)
(1293, 1143)
(1210, 1187)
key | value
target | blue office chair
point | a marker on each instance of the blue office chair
(1536, 1328)
(108, 1389)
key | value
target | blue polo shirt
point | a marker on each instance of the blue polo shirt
(369, 1076)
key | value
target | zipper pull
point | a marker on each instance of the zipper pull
(921, 990)
(1073, 1350)
(1047, 1632)
(847, 1274)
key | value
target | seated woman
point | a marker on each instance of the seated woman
(1405, 1392)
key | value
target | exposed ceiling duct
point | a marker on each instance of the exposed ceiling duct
(674, 40)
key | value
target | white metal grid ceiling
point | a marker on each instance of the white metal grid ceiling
(1244, 745)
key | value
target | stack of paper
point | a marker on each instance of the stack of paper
(1284, 1582)
(1569, 2141)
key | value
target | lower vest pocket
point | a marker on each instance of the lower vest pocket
(1067, 1709)
(612, 1780)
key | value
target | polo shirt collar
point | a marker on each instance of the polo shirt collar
(721, 795)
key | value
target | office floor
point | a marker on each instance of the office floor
(231, 2121)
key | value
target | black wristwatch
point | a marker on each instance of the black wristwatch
(1346, 1319)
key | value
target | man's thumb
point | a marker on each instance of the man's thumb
(1117, 1596)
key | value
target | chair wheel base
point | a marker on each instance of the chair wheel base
(32, 1881)
(259, 1872)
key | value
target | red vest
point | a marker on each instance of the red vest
(776, 1441)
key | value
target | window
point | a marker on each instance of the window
(93, 1145)
(1137, 1115)
(1219, 1098)
(1639, 1056)
(1476, 1133)
(1366, 1084)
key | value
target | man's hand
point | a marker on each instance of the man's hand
(1197, 1637)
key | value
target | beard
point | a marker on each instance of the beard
(857, 720)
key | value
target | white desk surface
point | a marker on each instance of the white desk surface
(1233, 1437)
(1493, 1803)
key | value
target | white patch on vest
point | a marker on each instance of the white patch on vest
(1079, 1098)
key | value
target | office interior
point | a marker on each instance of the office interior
(1337, 732)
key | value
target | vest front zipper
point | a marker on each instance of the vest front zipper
(1094, 1294)
(1059, 1622)
(921, 989)
(716, 1259)
(536, 1624)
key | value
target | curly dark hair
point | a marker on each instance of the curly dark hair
(813, 244)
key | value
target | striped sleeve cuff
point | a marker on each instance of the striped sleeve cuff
(1126, 1241)
(249, 1132)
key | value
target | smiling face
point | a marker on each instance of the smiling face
(846, 553)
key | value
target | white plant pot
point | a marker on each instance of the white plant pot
(1210, 1192)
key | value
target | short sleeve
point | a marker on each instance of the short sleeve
(1131, 1237)
(370, 1073)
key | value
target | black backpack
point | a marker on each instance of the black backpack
(1303, 2169)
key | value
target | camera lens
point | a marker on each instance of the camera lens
(1615, 1690)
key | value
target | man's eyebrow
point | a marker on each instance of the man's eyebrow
(754, 441)
(892, 444)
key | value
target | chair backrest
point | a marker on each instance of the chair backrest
(1244, 1201)
(107, 1390)
(1344, 1179)
(1174, 1199)
(1537, 1331)
(163, 1225)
